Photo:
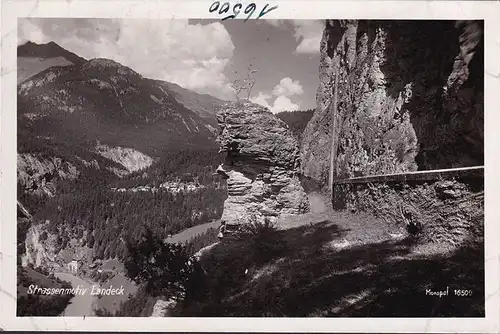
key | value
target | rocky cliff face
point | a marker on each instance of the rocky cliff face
(132, 160)
(41, 249)
(261, 167)
(36, 174)
(40, 253)
(398, 96)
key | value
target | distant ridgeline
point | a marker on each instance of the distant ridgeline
(104, 152)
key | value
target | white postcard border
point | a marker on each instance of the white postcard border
(167, 9)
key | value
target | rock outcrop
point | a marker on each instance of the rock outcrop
(132, 160)
(36, 174)
(261, 167)
(400, 96)
(39, 252)
(396, 97)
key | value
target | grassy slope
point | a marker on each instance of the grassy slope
(34, 277)
(39, 305)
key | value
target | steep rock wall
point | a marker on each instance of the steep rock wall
(40, 253)
(132, 160)
(261, 166)
(399, 96)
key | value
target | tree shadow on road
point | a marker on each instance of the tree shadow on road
(314, 277)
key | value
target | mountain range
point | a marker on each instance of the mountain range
(77, 116)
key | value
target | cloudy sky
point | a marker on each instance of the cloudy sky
(202, 55)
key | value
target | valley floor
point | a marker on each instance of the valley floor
(81, 304)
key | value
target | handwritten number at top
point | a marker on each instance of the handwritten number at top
(249, 10)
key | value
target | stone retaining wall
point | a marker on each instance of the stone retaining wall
(447, 204)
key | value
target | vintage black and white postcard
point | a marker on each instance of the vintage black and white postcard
(268, 165)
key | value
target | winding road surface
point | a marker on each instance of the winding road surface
(80, 305)
(187, 234)
(319, 211)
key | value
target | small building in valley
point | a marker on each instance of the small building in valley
(70, 259)
(73, 266)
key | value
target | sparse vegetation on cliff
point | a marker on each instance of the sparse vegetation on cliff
(264, 239)
(166, 270)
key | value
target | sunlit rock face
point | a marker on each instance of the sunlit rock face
(262, 165)
(409, 96)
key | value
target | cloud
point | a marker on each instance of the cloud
(288, 87)
(277, 23)
(261, 99)
(283, 103)
(28, 31)
(308, 33)
(193, 56)
(282, 93)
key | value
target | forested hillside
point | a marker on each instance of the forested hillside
(296, 120)
(106, 214)
(196, 166)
